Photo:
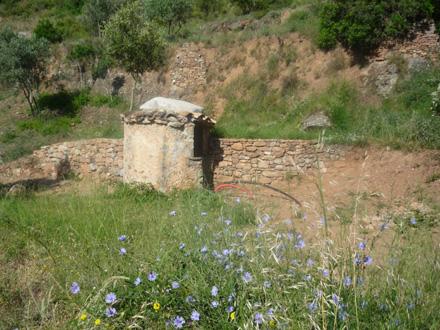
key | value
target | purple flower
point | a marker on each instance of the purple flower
(312, 306)
(231, 298)
(110, 311)
(175, 285)
(368, 260)
(347, 281)
(122, 251)
(310, 262)
(225, 252)
(152, 276)
(383, 227)
(203, 249)
(172, 213)
(195, 316)
(182, 245)
(203, 214)
(288, 222)
(308, 277)
(214, 290)
(267, 284)
(178, 322)
(305, 217)
(393, 262)
(247, 277)
(258, 318)
(238, 200)
(362, 245)
(122, 238)
(300, 244)
(230, 309)
(335, 298)
(413, 221)
(214, 304)
(111, 297)
(240, 254)
(138, 281)
(294, 262)
(325, 272)
(321, 220)
(360, 281)
(265, 219)
(228, 222)
(74, 288)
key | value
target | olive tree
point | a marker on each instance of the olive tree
(23, 64)
(134, 43)
(171, 13)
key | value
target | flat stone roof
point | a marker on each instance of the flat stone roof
(175, 119)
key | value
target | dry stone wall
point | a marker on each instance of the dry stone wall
(264, 161)
(189, 68)
(271, 161)
(97, 157)
(422, 42)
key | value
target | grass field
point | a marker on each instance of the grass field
(133, 258)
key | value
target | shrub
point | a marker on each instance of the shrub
(45, 29)
(363, 25)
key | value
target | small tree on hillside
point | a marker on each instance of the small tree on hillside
(23, 63)
(134, 43)
(172, 13)
(82, 55)
(96, 12)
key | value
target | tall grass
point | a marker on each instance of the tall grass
(405, 120)
(214, 262)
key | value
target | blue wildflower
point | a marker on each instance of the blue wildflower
(294, 262)
(195, 316)
(265, 219)
(347, 281)
(393, 262)
(321, 220)
(368, 260)
(413, 221)
(241, 253)
(247, 277)
(175, 285)
(238, 200)
(122, 251)
(138, 281)
(225, 252)
(111, 297)
(172, 213)
(214, 290)
(230, 309)
(182, 245)
(228, 222)
(362, 245)
(325, 272)
(288, 222)
(335, 298)
(258, 318)
(203, 214)
(204, 249)
(308, 277)
(152, 276)
(74, 288)
(214, 304)
(110, 311)
(300, 244)
(178, 322)
(310, 262)
(267, 284)
(122, 238)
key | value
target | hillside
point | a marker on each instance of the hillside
(260, 75)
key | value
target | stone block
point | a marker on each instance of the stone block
(260, 144)
(263, 164)
(237, 146)
(278, 152)
(264, 180)
(251, 148)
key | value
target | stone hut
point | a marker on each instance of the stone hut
(166, 147)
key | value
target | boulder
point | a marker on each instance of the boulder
(316, 120)
(171, 105)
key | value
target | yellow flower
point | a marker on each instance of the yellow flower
(97, 321)
(232, 315)
(156, 306)
(107, 324)
(272, 322)
(83, 317)
(169, 315)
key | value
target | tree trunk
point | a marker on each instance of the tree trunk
(132, 93)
